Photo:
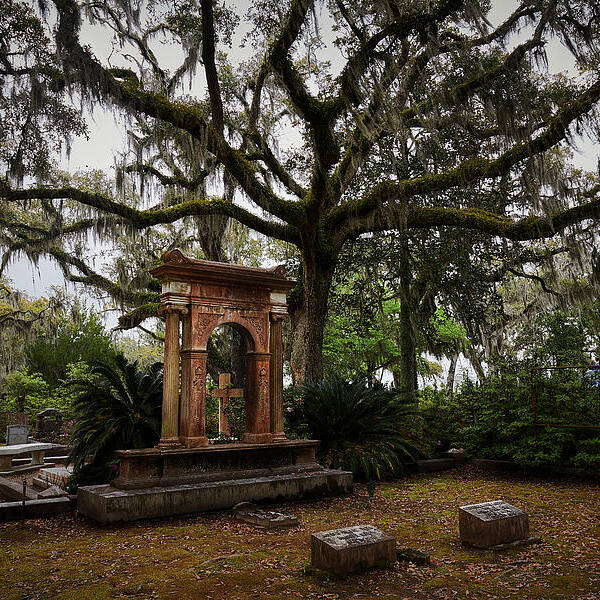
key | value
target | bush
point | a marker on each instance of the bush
(361, 428)
(495, 419)
(120, 408)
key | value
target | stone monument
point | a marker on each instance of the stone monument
(492, 523)
(343, 551)
(183, 474)
(17, 434)
(48, 424)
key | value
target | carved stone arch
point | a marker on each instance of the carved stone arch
(211, 294)
(247, 330)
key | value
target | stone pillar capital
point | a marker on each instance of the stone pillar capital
(277, 317)
(169, 308)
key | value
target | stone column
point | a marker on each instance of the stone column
(258, 410)
(193, 401)
(276, 376)
(192, 423)
(169, 435)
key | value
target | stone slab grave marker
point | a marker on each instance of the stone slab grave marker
(48, 423)
(224, 393)
(17, 434)
(492, 523)
(265, 519)
(343, 551)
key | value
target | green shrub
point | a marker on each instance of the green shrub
(362, 428)
(120, 408)
(496, 420)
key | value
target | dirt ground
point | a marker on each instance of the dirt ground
(212, 556)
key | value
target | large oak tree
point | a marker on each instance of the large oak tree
(407, 75)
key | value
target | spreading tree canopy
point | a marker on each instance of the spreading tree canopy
(459, 118)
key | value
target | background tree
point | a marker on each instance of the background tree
(414, 77)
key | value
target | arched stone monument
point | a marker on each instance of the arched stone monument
(184, 474)
(202, 295)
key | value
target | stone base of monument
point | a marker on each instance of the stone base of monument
(492, 524)
(165, 482)
(343, 551)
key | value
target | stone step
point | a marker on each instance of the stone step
(107, 504)
(34, 509)
(14, 491)
(26, 468)
(18, 462)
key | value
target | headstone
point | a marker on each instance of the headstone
(48, 423)
(457, 454)
(17, 434)
(343, 551)
(492, 523)
(265, 519)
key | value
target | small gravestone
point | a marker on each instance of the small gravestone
(343, 551)
(17, 434)
(48, 423)
(265, 519)
(492, 523)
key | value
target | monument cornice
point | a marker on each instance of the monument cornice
(178, 267)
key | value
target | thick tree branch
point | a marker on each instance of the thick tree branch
(141, 219)
(397, 193)
(416, 217)
(84, 69)
(266, 154)
(210, 69)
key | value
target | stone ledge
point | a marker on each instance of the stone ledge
(435, 464)
(33, 509)
(106, 504)
(151, 467)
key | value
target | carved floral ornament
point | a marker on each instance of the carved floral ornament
(175, 256)
(199, 381)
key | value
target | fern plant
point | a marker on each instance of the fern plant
(120, 408)
(362, 428)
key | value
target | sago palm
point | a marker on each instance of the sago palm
(361, 428)
(119, 409)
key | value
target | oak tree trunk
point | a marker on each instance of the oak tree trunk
(407, 368)
(452, 373)
(308, 314)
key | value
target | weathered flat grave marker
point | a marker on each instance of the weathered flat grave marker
(351, 549)
(265, 519)
(16, 434)
(492, 523)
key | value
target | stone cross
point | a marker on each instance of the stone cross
(225, 392)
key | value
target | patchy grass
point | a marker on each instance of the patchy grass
(211, 556)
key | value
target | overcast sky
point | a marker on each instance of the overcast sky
(107, 137)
